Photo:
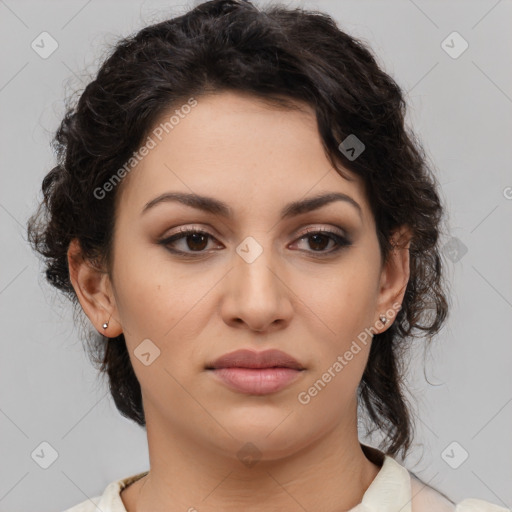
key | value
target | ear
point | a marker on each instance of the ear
(394, 277)
(94, 291)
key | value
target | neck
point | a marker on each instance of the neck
(329, 474)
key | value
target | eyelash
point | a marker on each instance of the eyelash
(340, 241)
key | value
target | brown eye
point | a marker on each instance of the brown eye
(319, 240)
(195, 241)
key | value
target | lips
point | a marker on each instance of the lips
(249, 359)
(256, 373)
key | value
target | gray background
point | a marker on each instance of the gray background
(461, 109)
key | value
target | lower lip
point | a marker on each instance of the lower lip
(256, 381)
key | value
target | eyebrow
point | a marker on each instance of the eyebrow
(217, 207)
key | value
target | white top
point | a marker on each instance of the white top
(394, 489)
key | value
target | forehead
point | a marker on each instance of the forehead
(240, 149)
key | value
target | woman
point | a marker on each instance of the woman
(239, 211)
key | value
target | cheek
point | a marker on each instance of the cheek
(342, 295)
(163, 301)
(150, 299)
(347, 309)
(332, 392)
(155, 304)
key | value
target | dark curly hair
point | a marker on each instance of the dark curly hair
(279, 55)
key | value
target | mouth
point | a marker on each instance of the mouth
(256, 373)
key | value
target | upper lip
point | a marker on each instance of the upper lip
(251, 359)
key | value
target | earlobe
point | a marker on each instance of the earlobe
(93, 289)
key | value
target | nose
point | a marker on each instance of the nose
(256, 295)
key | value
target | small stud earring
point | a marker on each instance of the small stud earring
(383, 319)
(105, 325)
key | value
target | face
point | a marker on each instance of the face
(249, 277)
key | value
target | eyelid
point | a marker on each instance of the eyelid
(207, 228)
(330, 229)
(310, 229)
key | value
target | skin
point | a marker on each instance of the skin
(256, 158)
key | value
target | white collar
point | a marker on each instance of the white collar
(390, 490)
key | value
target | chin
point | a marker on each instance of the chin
(267, 437)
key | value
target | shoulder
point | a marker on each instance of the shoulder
(110, 500)
(426, 499)
(395, 488)
(474, 505)
(86, 506)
